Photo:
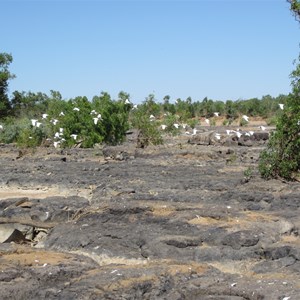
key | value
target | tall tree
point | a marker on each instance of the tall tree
(282, 156)
(5, 60)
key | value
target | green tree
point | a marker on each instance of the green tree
(29, 104)
(295, 8)
(5, 60)
(282, 156)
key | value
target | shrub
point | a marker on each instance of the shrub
(193, 122)
(148, 130)
(243, 122)
(282, 156)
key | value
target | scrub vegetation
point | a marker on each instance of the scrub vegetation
(34, 119)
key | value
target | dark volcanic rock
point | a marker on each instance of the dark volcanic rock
(240, 239)
(177, 221)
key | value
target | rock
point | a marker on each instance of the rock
(261, 136)
(204, 138)
(240, 239)
(175, 222)
(8, 233)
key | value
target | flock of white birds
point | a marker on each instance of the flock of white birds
(59, 135)
(237, 132)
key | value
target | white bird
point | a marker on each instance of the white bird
(246, 118)
(74, 136)
(194, 131)
(56, 135)
(281, 105)
(184, 126)
(262, 127)
(218, 136)
(251, 132)
(151, 117)
(33, 122)
(95, 120)
(76, 109)
(176, 125)
(134, 106)
(228, 131)
(207, 121)
(61, 130)
(99, 117)
(127, 101)
(163, 126)
(44, 116)
(216, 114)
(54, 121)
(56, 144)
(238, 134)
(61, 113)
(38, 124)
(93, 112)
(1, 127)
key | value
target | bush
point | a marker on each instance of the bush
(243, 122)
(193, 122)
(282, 156)
(148, 130)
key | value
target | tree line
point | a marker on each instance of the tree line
(31, 119)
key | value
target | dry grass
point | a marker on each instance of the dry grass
(33, 258)
(242, 220)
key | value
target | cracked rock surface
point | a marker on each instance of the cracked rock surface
(177, 221)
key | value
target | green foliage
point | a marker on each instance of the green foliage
(248, 173)
(148, 130)
(282, 156)
(272, 121)
(5, 60)
(150, 106)
(226, 122)
(11, 130)
(295, 8)
(230, 110)
(115, 118)
(170, 120)
(193, 122)
(243, 122)
(29, 138)
(29, 104)
(63, 121)
(21, 132)
(213, 122)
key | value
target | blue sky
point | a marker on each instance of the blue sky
(220, 49)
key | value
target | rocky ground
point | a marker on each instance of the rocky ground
(190, 219)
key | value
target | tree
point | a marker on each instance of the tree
(5, 60)
(295, 8)
(282, 156)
